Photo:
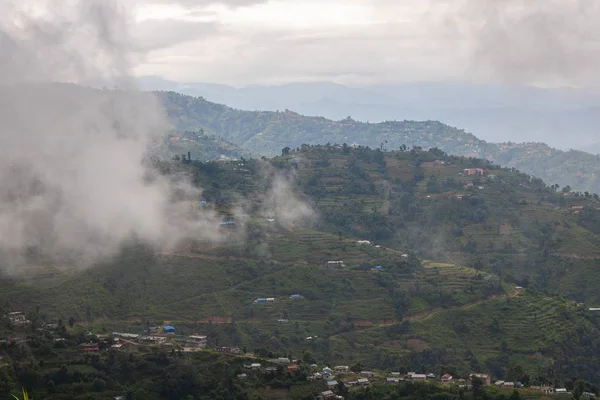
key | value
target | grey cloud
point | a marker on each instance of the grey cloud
(200, 3)
(74, 174)
(530, 40)
(151, 35)
(523, 41)
(357, 54)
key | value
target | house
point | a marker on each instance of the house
(232, 350)
(125, 335)
(270, 299)
(335, 264)
(446, 378)
(474, 171)
(90, 348)
(242, 376)
(260, 300)
(363, 243)
(152, 339)
(545, 389)
(315, 376)
(594, 309)
(430, 376)
(341, 369)
(270, 370)
(328, 394)
(367, 373)
(282, 360)
(196, 341)
(363, 382)
(416, 377)
(17, 318)
(283, 320)
(293, 368)
(332, 384)
(392, 381)
(588, 394)
(169, 329)
(484, 377)
(508, 385)
(253, 366)
(295, 297)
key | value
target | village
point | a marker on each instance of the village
(333, 380)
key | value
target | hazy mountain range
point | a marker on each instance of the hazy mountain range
(562, 118)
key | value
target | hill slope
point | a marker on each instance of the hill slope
(266, 132)
(404, 314)
(493, 112)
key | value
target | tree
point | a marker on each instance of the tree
(308, 358)
(357, 367)
(285, 151)
(71, 321)
(515, 395)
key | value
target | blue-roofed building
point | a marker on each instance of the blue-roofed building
(379, 267)
(203, 203)
(260, 300)
(169, 329)
(296, 297)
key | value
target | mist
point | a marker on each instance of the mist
(283, 204)
(75, 184)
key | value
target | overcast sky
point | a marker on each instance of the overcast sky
(358, 42)
(545, 42)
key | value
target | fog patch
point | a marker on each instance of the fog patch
(283, 203)
(74, 176)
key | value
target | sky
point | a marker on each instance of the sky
(362, 42)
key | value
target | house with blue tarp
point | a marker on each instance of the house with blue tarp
(169, 329)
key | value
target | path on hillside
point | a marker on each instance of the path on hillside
(431, 313)
(577, 257)
(428, 314)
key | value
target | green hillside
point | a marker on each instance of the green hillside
(265, 132)
(444, 297)
(197, 145)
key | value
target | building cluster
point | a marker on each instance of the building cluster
(17, 318)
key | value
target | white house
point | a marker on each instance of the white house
(196, 341)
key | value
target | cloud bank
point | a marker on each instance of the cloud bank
(362, 42)
(74, 182)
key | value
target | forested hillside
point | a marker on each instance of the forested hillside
(480, 272)
(268, 132)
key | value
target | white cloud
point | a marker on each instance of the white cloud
(359, 41)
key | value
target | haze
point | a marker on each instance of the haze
(75, 176)
(478, 60)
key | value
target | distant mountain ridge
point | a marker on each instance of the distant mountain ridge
(495, 113)
(266, 132)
